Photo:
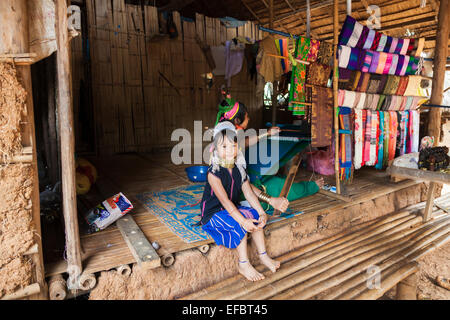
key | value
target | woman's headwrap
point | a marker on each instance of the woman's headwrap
(225, 106)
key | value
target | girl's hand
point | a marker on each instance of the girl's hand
(249, 226)
(274, 131)
(320, 182)
(279, 203)
(262, 220)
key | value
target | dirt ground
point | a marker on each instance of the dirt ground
(437, 263)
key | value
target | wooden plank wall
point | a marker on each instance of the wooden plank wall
(135, 108)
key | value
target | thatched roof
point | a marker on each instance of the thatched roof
(399, 18)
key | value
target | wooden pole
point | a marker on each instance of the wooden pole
(349, 7)
(430, 202)
(65, 112)
(407, 288)
(57, 288)
(274, 86)
(335, 96)
(440, 58)
(308, 19)
(23, 293)
(389, 281)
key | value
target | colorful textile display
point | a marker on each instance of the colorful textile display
(379, 164)
(358, 139)
(354, 34)
(325, 54)
(282, 46)
(345, 135)
(318, 74)
(321, 116)
(297, 91)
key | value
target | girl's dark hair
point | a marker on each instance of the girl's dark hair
(240, 115)
(230, 135)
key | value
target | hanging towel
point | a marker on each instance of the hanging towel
(392, 134)
(347, 30)
(379, 164)
(356, 33)
(376, 41)
(367, 136)
(344, 56)
(373, 138)
(374, 63)
(358, 139)
(234, 60)
(341, 97)
(321, 116)
(386, 139)
(387, 46)
(415, 130)
(363, 37)
(393, 45)
(381, 62)
(345, 133)
(382, 43)
(399, 46)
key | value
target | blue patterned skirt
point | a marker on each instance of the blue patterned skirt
(225, 230)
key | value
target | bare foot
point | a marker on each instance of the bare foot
(273, 265)
(247, 270)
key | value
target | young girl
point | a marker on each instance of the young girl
(222, 217)
(238, 115)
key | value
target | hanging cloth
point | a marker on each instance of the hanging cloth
(345, 133)
(392, 134)
(321, 116)
(359, 134)
(367, 137)
(297, 91)
(379, 164)
(386, 134)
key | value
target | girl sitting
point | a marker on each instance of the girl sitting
(222, 217)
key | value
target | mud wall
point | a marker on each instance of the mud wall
(16, 182)
(193, 271)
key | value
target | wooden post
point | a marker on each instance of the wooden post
(349, 7)
(430, 202)
(335, 95)
(440, 58)
(407, 288)
(65, 112)
(308, 19)
(274, 91)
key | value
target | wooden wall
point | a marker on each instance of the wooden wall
(134, 108)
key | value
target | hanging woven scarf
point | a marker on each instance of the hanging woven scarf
(313, 50)
(415, 127)
(402, 85)
(367, 137)
(318, 74)
(373, 138)
(379, 164)
(363, 82)
(297, 91)
(358, 139)
(325, 54)
(345, 133)
(322, 116)
(364, 118)
(401, 143)
(392, 134)
(386, 116)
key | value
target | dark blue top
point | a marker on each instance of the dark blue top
(232, 183)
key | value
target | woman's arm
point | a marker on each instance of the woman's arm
(279, 203)
(251, 197)
(228, 205)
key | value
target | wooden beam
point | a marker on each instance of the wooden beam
(440, 59)
(430, 202)
(23, 293)
(65, 113)
(140, 247)
(251, 11)
(289, 180)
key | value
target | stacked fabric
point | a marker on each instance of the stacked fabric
(373, 101)
(377, 62)
(415, 85)
(380, 136)
(355, 35)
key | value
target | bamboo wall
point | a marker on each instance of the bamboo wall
(135, 109)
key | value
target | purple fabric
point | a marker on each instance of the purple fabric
(374, 64)
(370, 36)
(363, 37)
(234, 59)
(401, 59)
(399, 46)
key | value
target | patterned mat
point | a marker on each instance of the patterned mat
(172, 207)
